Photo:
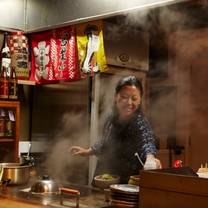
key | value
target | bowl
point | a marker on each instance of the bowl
(104, 181)
(134, 180)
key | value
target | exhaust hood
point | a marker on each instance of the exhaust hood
(126, 47)
(39, 15)
(47, 14)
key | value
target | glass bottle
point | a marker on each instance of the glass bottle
(5, 71)
(6, 57)
(2, 122)
(4, 92)
(12, 85)
(9, 125)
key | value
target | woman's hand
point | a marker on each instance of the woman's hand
(152, 163)
(76, 150)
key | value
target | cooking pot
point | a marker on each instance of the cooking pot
(48, 186)
(15, 172)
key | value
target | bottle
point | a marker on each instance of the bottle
(6, 57)
(2, 122)
(12, 85)
(4, 92)
(8, 125)
(5, 71)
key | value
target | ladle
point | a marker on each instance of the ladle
(137, 155)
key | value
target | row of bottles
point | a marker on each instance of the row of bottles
(8, 85)
(8, 81)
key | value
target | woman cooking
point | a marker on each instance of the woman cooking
(126, 133)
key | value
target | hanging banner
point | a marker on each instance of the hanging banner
(54, 56)
(18, 45)
(41, 69)
(90, 46)
(63, 54)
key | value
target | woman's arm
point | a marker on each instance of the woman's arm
(148, 151)
(77, 150)
(146, 137)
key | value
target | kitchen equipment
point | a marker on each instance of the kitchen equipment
(15, 172)
(47, 186)
(27, 159)
(137, 155)
(105, 180)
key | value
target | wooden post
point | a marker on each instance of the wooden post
(94, 122)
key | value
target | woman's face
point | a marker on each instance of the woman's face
(127, 101)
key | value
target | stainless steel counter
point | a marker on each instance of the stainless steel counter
(89, 197)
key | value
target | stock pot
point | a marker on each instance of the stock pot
(15, 172)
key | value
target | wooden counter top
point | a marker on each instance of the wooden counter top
(12, 203)
(161, 190)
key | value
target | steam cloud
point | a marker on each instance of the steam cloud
(74, 131)
(60, 164)
(182, 35)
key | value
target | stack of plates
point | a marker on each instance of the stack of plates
(124, 195)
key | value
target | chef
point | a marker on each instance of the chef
(126, 134)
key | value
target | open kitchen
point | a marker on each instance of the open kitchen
(66, 66)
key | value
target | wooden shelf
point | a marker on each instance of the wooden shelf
(9, 145)
(6, 140)
(26, 82)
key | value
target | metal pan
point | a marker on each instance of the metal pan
(15, 172)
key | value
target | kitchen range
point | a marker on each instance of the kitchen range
(20, 185)
(72, 195)
(176, 184)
